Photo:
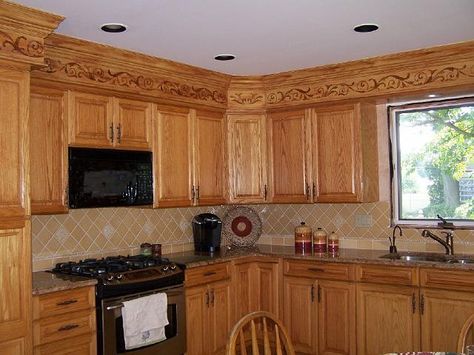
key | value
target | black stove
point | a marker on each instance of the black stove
(121, 275)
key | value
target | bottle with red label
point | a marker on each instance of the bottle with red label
(320, 241)
(333, 243)
(303, 239)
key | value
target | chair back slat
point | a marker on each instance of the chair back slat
(254, 338)
(464, 332)
(266, 341)
(277, 341)
(243, 346)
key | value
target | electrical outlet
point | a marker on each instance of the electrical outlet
(363, 220)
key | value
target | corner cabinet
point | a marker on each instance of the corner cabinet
(247, 158)
(345, 160)
(108, 122)
(48, 151)
(289, 156)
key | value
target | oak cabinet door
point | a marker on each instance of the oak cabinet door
(209, 158)
(90, 120)
(245, 293)
(173, 159)
(15, 300)
(247, 159)
(289, 157)
(345, 164)
(300, 313)
(48, 152)
(219, 316)
(337, 317)
(132, 124)
(443, 315)
(14, 96)
(197, 303)
(387, 319)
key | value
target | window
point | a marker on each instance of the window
(433, 161)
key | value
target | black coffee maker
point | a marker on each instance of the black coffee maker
(207, 229)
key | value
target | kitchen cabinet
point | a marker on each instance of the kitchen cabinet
(247, 158)
(48, 151)
(108, 122)
(189, 158)
(289, 156)
(64, 322)
(319, 307)
(345, 160)
(257, 286)
(209, 176)
(208, 309)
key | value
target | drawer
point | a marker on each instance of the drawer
(63, 326)
(81, 345)
(206, 274)
(319, 270)
(387, 274)
(448, 279)
(61, 302)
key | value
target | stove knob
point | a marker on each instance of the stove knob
(119, 276)
(110, 277)
(173, 267)
(165, 268)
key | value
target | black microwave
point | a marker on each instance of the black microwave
(109, 178)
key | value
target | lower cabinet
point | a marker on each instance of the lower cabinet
(208, 310)
(64, 322)
(319, 313)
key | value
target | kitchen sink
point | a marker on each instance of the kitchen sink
(430, 257)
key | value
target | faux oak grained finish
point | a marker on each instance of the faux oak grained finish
(90, 120)
(395, 275)
(314, 269)
(82, 344)
(443, 314)
(48, 151)
(15, 300)
(209, 147)
(132, 124)
(207, 274)
(247, 158)
(14, 167)
(173, 158)
(447, 279)
(345, 156)
(387, 319)
(289, 156)
(220, 316)
(197, 302)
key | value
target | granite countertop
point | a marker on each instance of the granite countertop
(47, 282)
(194, 259)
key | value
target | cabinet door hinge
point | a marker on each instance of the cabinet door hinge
(112, 132)
(207, 298)
(265, 192)
(413, 302)
(312, 293)
(422, 304)
(319, 294)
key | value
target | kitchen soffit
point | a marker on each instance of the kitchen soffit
(267, 36)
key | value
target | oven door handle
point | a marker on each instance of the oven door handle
(115, 306)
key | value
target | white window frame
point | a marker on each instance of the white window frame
(395, 153)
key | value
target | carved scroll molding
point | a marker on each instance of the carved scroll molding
(437, 77)
(21, 45)
(99, 75)
(246, 98)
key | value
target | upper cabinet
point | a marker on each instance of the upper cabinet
(289, 156)
(209, 158)
(247, 158)
(345, 160)
(107, 122)
(48, 153)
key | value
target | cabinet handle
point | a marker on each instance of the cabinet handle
(197, 193)
(312, 293)
(314, 190)
(112, 132)
(265, 192)
(66, 196)
(207, 298)
(319, 294)
(307, 192)
(422, 304)
(119, 132)
(212, 297)
(315, 269)
(209, 273)
(68, 327)
(193, 193)
(67, 302)
(413, 303)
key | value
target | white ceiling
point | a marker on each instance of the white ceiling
(267, 36)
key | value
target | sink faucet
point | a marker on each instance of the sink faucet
(448, 244)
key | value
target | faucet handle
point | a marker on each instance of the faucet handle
(448, 233)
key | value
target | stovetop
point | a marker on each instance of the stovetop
(125, 274)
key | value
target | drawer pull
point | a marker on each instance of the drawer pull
(315, 269)
(65, 303)
(68, 327)
(209, 273)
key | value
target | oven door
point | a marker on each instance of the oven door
(112, 326)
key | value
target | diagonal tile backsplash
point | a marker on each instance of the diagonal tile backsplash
(108, 231)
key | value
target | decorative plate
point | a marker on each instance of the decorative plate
(242, 226)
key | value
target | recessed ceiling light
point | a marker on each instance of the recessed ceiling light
(432, 95)
(224, 57)
(366, 27)
(113, 27)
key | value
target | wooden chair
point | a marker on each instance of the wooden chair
(275, 337)
(464, 332)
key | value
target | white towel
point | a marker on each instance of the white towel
(144, 320)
